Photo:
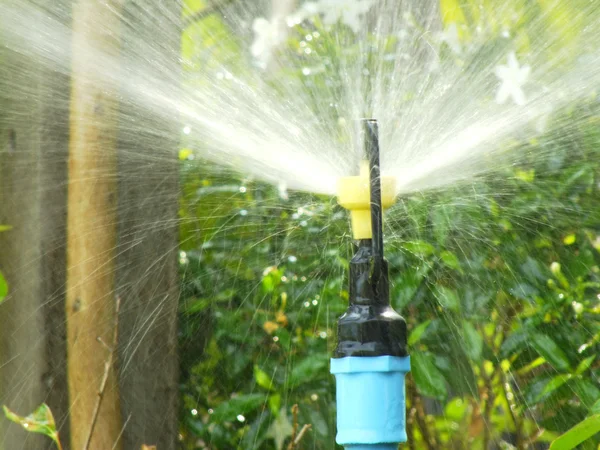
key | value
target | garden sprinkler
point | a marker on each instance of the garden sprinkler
(370, 360)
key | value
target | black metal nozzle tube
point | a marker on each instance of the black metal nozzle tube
(371, 136)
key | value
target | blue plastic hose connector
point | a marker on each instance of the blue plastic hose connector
(371, 404)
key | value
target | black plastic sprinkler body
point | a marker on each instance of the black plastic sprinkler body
(371, 359)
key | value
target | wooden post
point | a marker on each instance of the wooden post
(92, 227)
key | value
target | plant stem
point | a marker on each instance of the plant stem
(421, 417)
(107, 367)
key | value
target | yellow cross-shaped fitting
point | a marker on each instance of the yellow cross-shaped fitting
(354, 194)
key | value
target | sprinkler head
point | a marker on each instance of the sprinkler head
(370, 327)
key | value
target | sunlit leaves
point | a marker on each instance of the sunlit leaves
(40, 421)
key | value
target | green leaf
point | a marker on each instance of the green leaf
(275, 404)
(40, 421)
(419, 248)
(450, 260)
(473, 341)
(448, 298)
(262, 379)
(280, 429)
(595, 409)
(308, 369)
(550, 351)
(578, 434)
(428, 379)
(417, 332)
(553, 385)
(5, 228)
(586, 390)
(585, 365)
(3, 288)
(242, 404)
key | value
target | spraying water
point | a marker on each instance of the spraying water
(432, 85)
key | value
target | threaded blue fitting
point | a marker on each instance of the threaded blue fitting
(371, 405)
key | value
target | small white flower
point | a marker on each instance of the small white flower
(282, 190)
(450, 37)
(267, 36)
(513, 77)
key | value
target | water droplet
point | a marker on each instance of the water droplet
(323, 335)
(308, 37)
(306, 304)
(243, 189)
(295, 216)
(275, 339)
(284, 279)
(303, 44)
(308, 51)
(187, 129)
(210, 411)
(315, 302)
(292, 259)
(318, 297)
(25, 425)
(241, 418)
(194, 412)
(303, 223)
(316, 34)
(314, 397)
(305, 71)
(303, 279)
(243, 212)
(228, 76)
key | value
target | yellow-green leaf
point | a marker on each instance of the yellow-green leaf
(3, 288)
(262, 379)
(40, 421)
(578, 434)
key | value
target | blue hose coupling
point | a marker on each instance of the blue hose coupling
(371, 404)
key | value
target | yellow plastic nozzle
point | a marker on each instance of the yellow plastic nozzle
(354, 194)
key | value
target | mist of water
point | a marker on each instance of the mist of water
(447, 95)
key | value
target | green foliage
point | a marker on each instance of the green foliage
(40, 421)
(499, 282)
(578, 434)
